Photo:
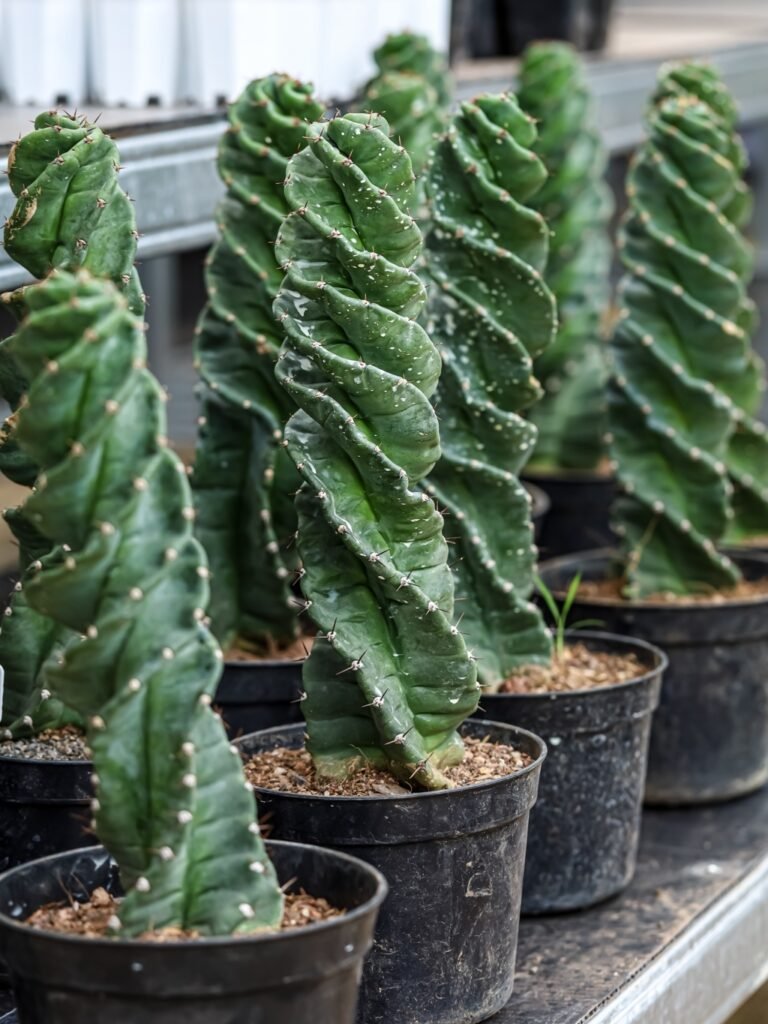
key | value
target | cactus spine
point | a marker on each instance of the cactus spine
(128, 579)
(243, 480)
(747, 455)
(576, 203)
(681, 352)
(492, 316)
(389, 678)
(70, 212)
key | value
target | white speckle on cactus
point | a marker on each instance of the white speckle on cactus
(142, 884)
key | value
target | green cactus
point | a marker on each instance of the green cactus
(412, 91)
(70, 212)
(577, 205)
(747, 455)
(243, 481)
(129, 581)
(389, 679)
(682, 360)
(492, 314)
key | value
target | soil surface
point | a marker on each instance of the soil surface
(296, 651)
(611, 590)
(65, 744)
(291, 771)
(579, 669)
(91, 920)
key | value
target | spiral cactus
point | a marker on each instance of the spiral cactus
(747, 455)
(576, 203)
(682, 362)
(129, 580)
(70, 212)
(492, 316)
(389, 678)
(412, 91)
(243, 481)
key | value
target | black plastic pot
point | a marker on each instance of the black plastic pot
(578, 517)
(44, 808)
(585, 828)
(709, 740)
(254, 695)
(447, 936)
(305, 976)
(539, 508)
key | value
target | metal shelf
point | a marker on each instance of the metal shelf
(169, 159)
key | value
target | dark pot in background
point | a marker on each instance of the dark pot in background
(585, 828)
(446, 941)
(578, 517)
(305, 976)
(709, 739)
(44, 808)
(540, 505)
(259, 694)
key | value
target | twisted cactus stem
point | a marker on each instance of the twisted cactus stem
(412, 91)
(389, 679)
(243, 480)
(492, 315)
(70, 212)
(126, 576)
(680, 351)
(577, 205)
(747, 455)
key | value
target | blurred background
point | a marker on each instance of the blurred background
(159, 73)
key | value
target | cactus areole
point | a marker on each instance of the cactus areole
(389, 678)
(243, 480)
(128, 579)
(682, 363)
(492, 315)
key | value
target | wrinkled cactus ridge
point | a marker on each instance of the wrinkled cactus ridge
(243, 481)
(681, 353)
(128, 578)
(412, 91)
(747, 455)
(577, 205)
(389, 678)
(492, 317)
(70, 213)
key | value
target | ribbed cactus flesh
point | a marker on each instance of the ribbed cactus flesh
(492, 315)
(747, 455)
(70, 212)
(389, 678)
(682, 361)
(576, 203)
(128, 578)
(243, 480)
(412, 91)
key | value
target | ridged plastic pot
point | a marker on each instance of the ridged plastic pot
(43, 808)
(305, 976)
(540, 505)
(585, 828)
(255, 695)
(446, 941)
(709, 740)
(578, 517)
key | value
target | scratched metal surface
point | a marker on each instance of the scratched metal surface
(579, 967)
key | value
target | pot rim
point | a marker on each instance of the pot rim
(534, 475)
(235, 663)
(661, 657)
(44, 762)
(593, 554)
(521, 773)
(212, 941)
